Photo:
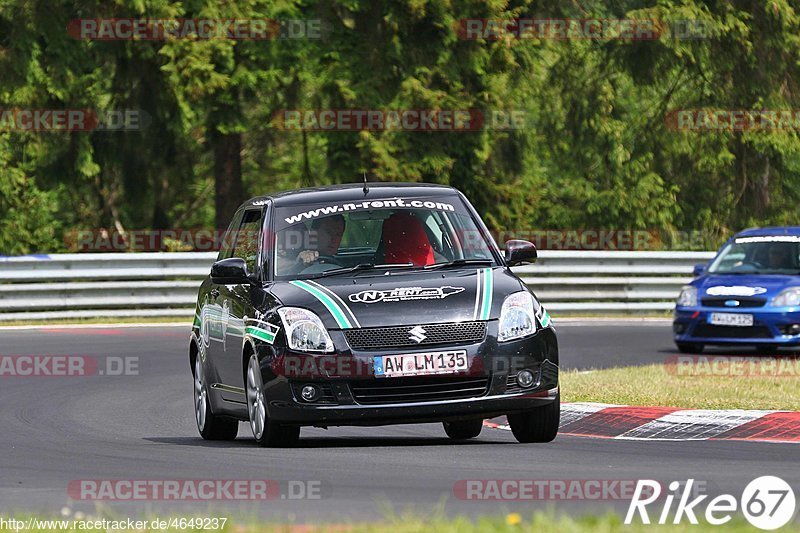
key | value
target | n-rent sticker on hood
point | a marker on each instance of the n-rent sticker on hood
(404, 293)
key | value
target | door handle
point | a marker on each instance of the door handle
(214, 293)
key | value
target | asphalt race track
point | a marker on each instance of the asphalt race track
(141, 427)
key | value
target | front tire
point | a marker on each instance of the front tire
(690, 347)
(210, 426)
(539, 424)
(266, 433)
(463, 429)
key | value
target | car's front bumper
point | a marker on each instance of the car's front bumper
(771, 326)
(408, 413)
(348, 400)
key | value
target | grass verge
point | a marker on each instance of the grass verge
(664, 385)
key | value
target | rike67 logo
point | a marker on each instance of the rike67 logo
(768, 502)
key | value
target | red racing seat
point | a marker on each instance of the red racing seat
(405, 241)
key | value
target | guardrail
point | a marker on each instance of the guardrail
(587, 282)
(47, 287)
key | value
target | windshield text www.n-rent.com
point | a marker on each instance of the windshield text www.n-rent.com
(369, 204)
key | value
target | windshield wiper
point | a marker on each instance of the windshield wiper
(460, 262)
(364, 266)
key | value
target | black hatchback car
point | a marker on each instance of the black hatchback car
(370, 305)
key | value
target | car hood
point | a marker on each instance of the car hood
(765, 286)
(402, 297)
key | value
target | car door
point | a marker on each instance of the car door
(212, 313)
(236, 301)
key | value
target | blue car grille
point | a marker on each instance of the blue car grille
(743, 302)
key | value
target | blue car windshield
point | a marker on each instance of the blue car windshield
(759, 255)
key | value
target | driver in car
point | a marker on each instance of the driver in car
(779, 257)
(329, 232)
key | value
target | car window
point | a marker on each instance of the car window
(246, 244)
(419, 231)
(762, 255)
(435, 228)
(226, 247)
(362, 234)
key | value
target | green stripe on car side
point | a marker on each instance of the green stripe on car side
(488, 289)
(261, 334)
(333, 307)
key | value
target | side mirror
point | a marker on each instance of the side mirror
(231, 271)
(518, 252)
(699, 269)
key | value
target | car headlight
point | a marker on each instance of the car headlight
(517, 317)
(787, 298)
(688, 296)
(305, 331)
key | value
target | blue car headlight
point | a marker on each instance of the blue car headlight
(305, 331)
(517, 317)
(688, 296)
(787, 298)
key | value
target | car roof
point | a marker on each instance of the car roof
(769, 231)
(352, 192)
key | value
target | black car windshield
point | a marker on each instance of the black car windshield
(759, 255)
(312, 239)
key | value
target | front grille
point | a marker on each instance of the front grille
(743, 302)
(400, 336)
(418, 389)
(711, 331)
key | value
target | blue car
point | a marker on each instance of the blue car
(749, 294)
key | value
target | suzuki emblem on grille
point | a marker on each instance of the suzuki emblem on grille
(417, 333)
